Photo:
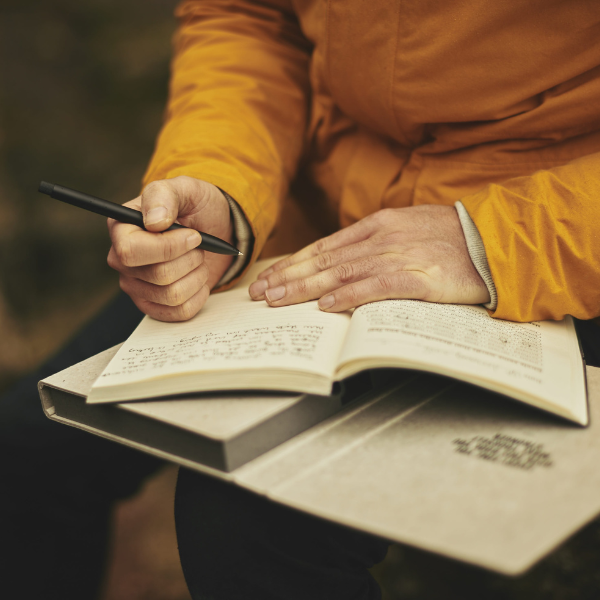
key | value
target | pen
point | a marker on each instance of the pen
(126, 215)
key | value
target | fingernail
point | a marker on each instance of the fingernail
(257, 289)
(326, 301)
(265, 273)
(193, 240)
(275, 294)
(156, 215)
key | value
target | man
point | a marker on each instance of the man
(457, 145)
(452, 151)
(389, 109)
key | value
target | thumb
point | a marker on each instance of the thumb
(160, 205)
(166, 200)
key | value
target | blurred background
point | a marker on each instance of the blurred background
(83, 86)
(82, 94)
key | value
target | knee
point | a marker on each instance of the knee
(235, 545)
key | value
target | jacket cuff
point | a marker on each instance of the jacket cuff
(243, 241)
(477, 253)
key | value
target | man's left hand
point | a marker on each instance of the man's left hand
(417, 252)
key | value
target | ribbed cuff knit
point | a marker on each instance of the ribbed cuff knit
(477, 252)
(243, 241)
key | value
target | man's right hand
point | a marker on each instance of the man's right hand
(165, 274)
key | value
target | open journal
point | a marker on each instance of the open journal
(235, 343)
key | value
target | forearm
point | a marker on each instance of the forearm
(541, 240)
(237, 107)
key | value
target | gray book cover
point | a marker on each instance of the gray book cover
(221, 432)
(443, 466)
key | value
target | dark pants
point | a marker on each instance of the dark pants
(58, 484)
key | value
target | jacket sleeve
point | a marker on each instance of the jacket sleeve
(542, 240)
(237, 108)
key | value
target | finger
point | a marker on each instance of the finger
(125, 228)
(171, 314)
(163, 201)
(137, 247)
(175, 294)
(160, 205)
(350, 235)
(315, 286)
(312, 266)
(163, 273)
(385, 286)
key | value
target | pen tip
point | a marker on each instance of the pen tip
(240, 253)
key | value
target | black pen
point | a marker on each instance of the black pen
(126, 215)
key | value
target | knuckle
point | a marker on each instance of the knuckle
(414, 285)
(323, 261)
(111, 259)
(302, 287)
(384, 282)
(385, 214)
(124, 284)
(162, 274)
(321, 245)
(162, 191)
(174, 295)
(203, 272)
(382, 217)
(204, 293)
(155, 186)
(182, 186)
(344, 273)
(376, 217)
(387, 242)
(420, 288)
(278, 278)
(124, 252)
(186, 183)
(376, 264)
(169, 248)
(352, 296)
(186, 311)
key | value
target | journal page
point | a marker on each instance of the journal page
(538, 362)
(232, 334)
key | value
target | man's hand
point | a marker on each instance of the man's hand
(417, 252)
(165, 275)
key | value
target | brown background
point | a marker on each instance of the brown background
(82, 91)
(82, 94)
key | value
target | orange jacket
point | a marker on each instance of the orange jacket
(392, 104)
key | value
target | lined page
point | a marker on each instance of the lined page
(231, 333)
(538, 359)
